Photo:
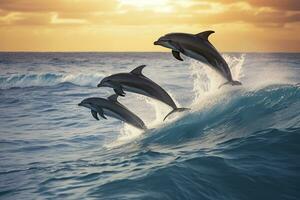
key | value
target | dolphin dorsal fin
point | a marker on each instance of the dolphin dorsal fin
(138, 70)
(113, 98)
(204, 35)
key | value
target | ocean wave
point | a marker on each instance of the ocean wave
(48, 79)
(235, 143)
(249, 111)
(224, 151)
(264, 162)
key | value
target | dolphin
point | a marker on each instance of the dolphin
(111, 107)
(197, 47)
(136, 82)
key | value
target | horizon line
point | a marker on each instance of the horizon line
(25, 51)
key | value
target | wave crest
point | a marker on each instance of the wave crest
(48, 79)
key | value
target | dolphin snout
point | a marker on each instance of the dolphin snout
(156, 42)
(80, 104)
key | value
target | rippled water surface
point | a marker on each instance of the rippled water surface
(235, 143)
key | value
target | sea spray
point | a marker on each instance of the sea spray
(236, 66)
(206, 81)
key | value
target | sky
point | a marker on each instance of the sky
(133, 25)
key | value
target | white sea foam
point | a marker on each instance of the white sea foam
(207, 81)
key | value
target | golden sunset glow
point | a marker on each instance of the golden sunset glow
(133, 25)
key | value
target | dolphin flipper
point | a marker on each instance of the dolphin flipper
(102, 115)
(120, 92)
(118, 89)
(94, 113)
(113, 98)
(176, 55)
(100, 112)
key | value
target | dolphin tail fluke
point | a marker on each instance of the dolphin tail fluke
(233, 83)
(145, 128)
(176, 110)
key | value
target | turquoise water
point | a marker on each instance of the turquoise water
(235, 143)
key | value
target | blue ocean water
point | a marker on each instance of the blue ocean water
(236, 142)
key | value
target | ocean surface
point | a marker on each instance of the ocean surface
(236, 143)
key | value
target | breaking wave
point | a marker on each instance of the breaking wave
(48, 79)
(233, 142)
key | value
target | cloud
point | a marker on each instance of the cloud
(58, 5)
(206, 15)
(277, 4)
(256, 17)
(114, 20)
(103, 12)
(184, 16)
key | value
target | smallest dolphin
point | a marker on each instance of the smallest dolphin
(111, 107)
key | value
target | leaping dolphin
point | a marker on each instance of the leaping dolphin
(197, 47)
(136, 82)
(111, 107)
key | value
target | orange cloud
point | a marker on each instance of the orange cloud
(121, 26)
(187, 15)
(278, 4)
(58, 5)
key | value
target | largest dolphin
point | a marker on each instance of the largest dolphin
(136, 82)
(111, 107)
(198, 47)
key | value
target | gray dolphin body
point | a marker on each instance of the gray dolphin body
(136, 82)
(197, 47)
(111, 107)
